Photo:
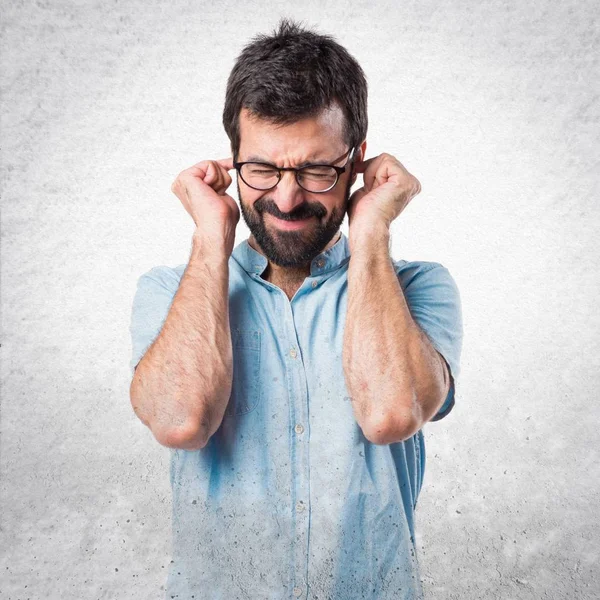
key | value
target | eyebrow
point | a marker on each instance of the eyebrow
(306, 163)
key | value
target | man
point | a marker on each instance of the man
(292, 375)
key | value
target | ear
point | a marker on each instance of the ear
(359, 157)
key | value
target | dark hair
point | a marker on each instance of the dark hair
(293, 74)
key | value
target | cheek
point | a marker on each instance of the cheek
(248, 197)
(341, 203)
(335, 204)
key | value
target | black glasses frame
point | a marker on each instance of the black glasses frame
(339, 170)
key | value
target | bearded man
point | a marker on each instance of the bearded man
(291, 375)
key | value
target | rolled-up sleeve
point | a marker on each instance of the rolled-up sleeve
(434, 302)
(151, 303)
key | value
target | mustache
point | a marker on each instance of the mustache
(304, 211)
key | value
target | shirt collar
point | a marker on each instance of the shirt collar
(254, 263)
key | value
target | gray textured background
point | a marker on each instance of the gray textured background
(494, 106)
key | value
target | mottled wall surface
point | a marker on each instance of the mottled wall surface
(494, 106)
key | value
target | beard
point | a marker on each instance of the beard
(294, 248)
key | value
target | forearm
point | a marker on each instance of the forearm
(393, 374)
(181, 387)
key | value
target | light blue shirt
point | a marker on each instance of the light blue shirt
(289, 499)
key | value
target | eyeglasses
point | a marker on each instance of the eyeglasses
(312, 178)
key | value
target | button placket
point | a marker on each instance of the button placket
(298, 397)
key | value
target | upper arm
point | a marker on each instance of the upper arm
(434, 302)
(151, 303)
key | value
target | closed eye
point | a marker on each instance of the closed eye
(261, 170)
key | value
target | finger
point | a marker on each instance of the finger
(220, 179)
(202, 164)
(418, 187)
(226, 163)
(226, 182)
(363, 165)
(211, 173)
(199, 170)
(196, 173)
(223, 183)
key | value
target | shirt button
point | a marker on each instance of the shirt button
(320, 263)
(297, 592)
(314, 284)
(299, 506)
(299, 428)
(293, 353)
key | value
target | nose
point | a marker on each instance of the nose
(288, 194)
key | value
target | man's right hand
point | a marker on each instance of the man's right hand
(201, 189)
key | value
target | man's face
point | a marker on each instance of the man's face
(291, 225)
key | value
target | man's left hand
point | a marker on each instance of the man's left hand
(387, 189)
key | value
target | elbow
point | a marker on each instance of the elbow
(391, 428)
(191, 433)
(188, 437)
(137, 403)
(181, 438)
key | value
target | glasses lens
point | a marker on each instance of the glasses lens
(259, 176)
(317, 179)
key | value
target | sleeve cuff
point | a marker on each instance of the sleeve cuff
(449, 402)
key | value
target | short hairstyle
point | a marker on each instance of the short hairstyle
(295, 73)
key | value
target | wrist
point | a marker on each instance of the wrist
(373, 235)
(212, 245)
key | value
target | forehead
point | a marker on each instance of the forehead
(309, 138)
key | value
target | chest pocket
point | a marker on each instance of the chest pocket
(245, 392)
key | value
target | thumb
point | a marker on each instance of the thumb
(362, 165)
(226, 163)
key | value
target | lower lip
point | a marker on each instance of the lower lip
(291, 225)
